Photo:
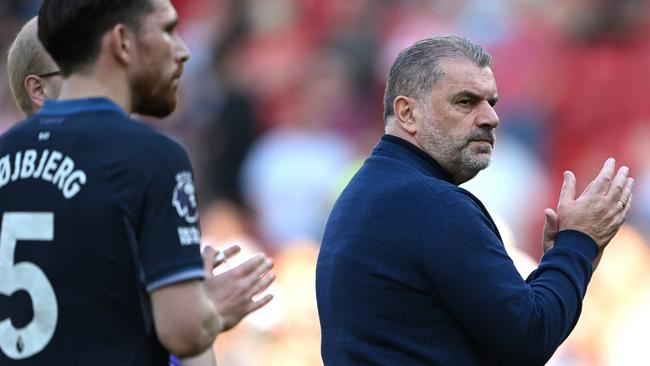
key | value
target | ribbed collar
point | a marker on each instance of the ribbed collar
(73, 106)
(431, 162)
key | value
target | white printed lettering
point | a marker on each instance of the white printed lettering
(67, 166)
(5, 170)
(51, 165)
(28, 164)
(73, 183)
(63, 175)
(189, 235)
(41, 164)
(14, 176)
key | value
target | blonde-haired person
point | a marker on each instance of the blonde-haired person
(33, 75)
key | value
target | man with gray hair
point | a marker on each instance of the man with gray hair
(412, 269)
(33, 75)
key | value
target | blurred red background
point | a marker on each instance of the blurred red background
(281, 101)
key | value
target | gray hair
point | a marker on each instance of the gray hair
(416, 69)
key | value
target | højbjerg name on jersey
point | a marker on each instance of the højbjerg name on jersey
(184, 200)
(50, 166)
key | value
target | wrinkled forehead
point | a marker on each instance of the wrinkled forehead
(463, 74)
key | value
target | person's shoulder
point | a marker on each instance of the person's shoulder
(454, 201)
(403, 167)
(452, 194)
(427, 184)
(157, 143)
(393, 181)
(143, 139)
(17, 127)
(131, 141)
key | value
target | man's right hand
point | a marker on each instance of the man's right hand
(601, 209)
(232, 291)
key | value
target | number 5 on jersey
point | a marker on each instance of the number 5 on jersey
(27, 341)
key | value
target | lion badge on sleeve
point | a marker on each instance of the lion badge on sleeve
(184, 198)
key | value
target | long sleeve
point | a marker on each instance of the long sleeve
(514, 321)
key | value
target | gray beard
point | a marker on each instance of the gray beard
(461, 159)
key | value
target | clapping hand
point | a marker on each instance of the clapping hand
(598, 212)
(233, 290)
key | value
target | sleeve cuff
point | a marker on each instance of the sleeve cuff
(189, 274)
(577, 241)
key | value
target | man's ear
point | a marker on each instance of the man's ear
(35, 87)
(121, 43)
(405, 110)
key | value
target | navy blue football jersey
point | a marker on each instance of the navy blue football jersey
(97, 211)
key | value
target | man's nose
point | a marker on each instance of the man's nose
(487, 116)
(184, 53)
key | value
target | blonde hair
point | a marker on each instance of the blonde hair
(26, 57)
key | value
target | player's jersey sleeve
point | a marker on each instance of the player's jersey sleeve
(168, 235)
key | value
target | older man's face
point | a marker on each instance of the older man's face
(458, 119)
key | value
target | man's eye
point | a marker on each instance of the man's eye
(464, 102)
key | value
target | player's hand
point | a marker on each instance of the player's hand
(232, 291)
(601, 209)
(213, 258)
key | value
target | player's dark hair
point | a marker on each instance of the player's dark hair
(71, 30)
(416, 69)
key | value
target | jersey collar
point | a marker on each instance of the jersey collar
(428, 161)
(74, 106)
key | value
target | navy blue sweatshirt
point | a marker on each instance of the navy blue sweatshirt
(412, 271)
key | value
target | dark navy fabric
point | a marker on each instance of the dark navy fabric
(412, 271)
(124, 223)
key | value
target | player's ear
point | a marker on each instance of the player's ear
(120, 42)
(35, 88)
(405, 109)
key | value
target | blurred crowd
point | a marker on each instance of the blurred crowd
(282, 100)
